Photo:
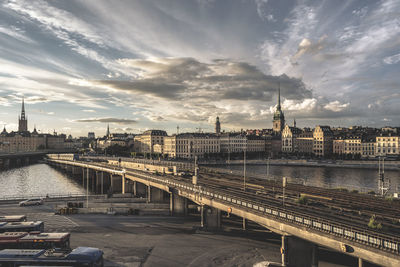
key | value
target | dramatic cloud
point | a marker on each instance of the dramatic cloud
(108, 120)
(183, 63)
(187, 78)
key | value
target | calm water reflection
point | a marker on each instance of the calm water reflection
(360, 179)
(38, 179)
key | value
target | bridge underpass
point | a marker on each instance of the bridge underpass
(298, 230)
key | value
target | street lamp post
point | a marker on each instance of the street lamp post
(87, 188)
(244, 169)
(283, 190)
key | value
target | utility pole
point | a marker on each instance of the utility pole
(87, 187)
(244, 169)
(283, 190)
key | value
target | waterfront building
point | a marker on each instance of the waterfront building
(25, 141)
(304, 142)
(233, 142)
(289, 136)
(338, 145)
(368, 147)
(255, 143)
(352, 145)
(322, 141)
(217, 126)
(273, 145)
(387, 144)
(279, 118)
(190, 145)
(144, 142)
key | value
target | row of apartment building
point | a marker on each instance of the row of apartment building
(190, 145)
(325, 142)
(321, 142)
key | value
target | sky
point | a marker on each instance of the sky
(159, 64)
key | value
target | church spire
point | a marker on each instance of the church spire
(279, 96)
(23, 110)
(22, 120)
(108, 130)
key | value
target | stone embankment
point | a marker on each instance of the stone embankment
(367, 164)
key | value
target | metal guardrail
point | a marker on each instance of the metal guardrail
(19, 197)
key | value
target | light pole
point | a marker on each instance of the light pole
(244, 169)
(87, 188)
(283, 190)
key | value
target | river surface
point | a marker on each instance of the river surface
(363, 180)
(36, 180)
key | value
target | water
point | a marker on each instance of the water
(38, 180)
(363, 180)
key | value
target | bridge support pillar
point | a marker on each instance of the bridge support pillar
(116, 183)
(141, 189)
(178, 205)
(298, 252)
(6, 163)
(244, 224)
(134, 189)
(123, 183)
(360, 262)
(156, 195)
(212, 218)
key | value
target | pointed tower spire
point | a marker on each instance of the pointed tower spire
(108, 130)
(294, 122)
(23, 109)
(279, 96)
(4, 130)
(22, 120)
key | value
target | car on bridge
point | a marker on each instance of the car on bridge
(31, 202)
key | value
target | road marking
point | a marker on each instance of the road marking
(76, 224)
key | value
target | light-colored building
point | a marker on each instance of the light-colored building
(387, 145)
(233, 142)
(322, 141)
(289, 136)
(368, 147)
(338, 145)
(169, 147)
(21, 142)
(145, 142)
(189, 145)
(352, 145)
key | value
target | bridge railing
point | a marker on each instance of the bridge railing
(44, 196)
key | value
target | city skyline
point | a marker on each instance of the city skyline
(159, 64)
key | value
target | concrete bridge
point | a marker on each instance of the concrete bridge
(302, 232)
(12, 160)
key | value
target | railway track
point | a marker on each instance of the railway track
(367, 204)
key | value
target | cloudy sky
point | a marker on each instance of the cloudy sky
(151, 64)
